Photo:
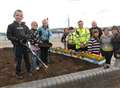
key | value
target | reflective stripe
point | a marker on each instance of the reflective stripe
(82, 36)
(71, 38)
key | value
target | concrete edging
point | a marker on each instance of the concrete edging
(83, 79)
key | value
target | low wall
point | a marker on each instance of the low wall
(95, 78)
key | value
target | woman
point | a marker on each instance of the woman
(116, 44)
(106, 46)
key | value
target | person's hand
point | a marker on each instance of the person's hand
(81, 45)
(36, 44)
(100, 54)
(22, 41)
(89, 52)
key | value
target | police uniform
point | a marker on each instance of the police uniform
(18, 34)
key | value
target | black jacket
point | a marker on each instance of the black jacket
(18, 33)
(63, 39)
(96, 28)
(116, 44)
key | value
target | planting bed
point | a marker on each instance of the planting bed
(58, 65)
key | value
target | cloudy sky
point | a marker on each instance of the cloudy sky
(105, 12)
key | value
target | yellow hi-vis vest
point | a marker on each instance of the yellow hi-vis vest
(71, 38)
(82, 36)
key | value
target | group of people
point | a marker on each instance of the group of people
(95, 40)
(19, 34)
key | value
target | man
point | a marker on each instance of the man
(82, 37)
(95, 27)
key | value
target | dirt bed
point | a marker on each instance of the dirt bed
(58, 65)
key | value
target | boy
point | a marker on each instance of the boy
(71, 39)
(18, 33)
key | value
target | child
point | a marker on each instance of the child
(71, 39)
(44, 36)
(18, 33)
(34, 45)
(63, 39)
(94, 43)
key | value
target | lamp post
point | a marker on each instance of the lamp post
(68, 21)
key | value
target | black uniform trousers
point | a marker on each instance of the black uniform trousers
(21, 52)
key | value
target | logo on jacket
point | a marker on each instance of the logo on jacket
(20, 28)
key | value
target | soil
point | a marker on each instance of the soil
(58, 65)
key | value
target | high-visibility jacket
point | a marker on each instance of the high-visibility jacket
(81, 36)
(71, 38)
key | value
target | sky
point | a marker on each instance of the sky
(104, 12)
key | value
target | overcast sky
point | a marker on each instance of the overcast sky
(105, 12)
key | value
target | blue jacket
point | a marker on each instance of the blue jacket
(44, 33)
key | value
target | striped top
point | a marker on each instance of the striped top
(94, 46)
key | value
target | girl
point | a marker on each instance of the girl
(44, 36)
(34, 45)
(94, 43)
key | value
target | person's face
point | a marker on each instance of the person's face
(18, 16)
(94, 24)
(80, 24)
(114, 31)
(96, 34)
(45, 23)
(106, 32)
(70, 31)
(66, 30)
(34, 25)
